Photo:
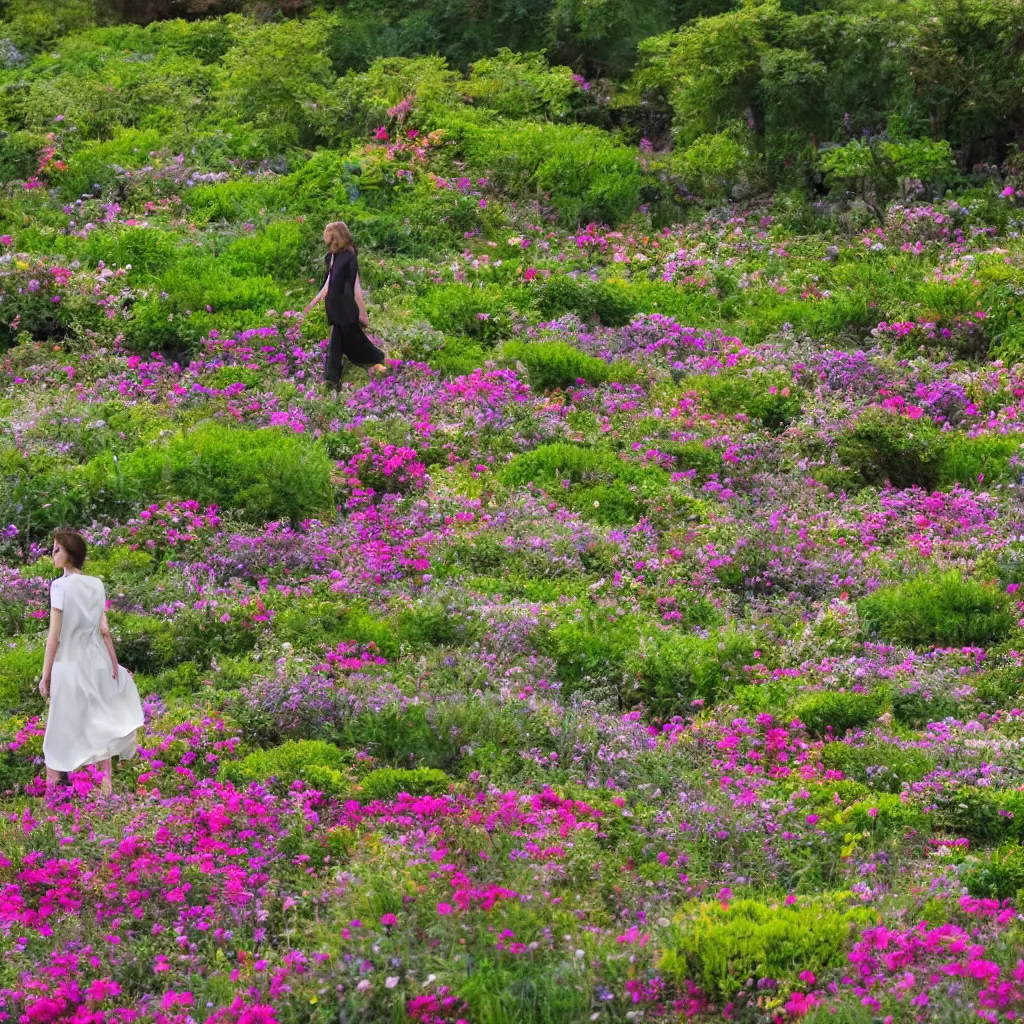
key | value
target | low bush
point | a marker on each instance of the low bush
(671, 670)
(579, 173)
(723, 948)
(883, 815)
(613, 303)
(597, 483)
(266, 474)
(767, 398)
(556, 364)
(426, 625)
(277, 251)
(941, 608)
(589, 652)
(999, 875)
(916, 708)
(195, 296)
(20, 671)
(985, 816)
(882, 766)
(290, 762)
(981, 461)
(387, 783)
(884, 448)
(838, 712)
(483, 314)
(144, 643)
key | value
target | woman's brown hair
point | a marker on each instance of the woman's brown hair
(338, 236)
(74, 544)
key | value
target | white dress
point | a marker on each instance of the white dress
(92, 715)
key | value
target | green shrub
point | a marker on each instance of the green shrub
(771, 399)
(693, 455)
(940, 608)
(722, 948)
(882, 447)
(556, 364)
(21, 668)
(999, 875)
(579, 172)
(145, 250)
(328, 780)
(882, 766)
(672, 669)
(713, 164)
(521, 85)
(916, 708)
(387, 783)
(459, 357)
(979, 461)
(144, 643)
(266, 474)
(985, 816)
(426, 625)
(96, 163)
(562, 294)
(289, 762)
(480, 313)
(197, 295)
(277, 251)
(590, 649)
(839, 712)
(597, 483)
(884, 815)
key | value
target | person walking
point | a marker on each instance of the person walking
(342, 295)
(94, 707)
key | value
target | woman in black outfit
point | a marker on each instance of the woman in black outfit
(346, 309)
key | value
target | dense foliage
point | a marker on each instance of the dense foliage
(646, 642)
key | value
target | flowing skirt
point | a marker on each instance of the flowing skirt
(92, 716)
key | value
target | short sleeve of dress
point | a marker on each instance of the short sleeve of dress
(57, 594)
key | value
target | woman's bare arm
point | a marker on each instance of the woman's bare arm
(319, 296)
(52, 639)
(364, 319)
(109, 643)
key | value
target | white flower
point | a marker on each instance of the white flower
(392, 981)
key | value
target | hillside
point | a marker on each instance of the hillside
(645, 641)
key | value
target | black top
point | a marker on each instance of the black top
(342, 269)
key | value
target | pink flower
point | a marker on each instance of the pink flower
(444, 909)
(1007, 192)
(381, 134)
(388, 920)
(914, 412)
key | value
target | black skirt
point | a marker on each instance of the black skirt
(348, 341)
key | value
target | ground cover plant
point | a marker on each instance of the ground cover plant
(647, 642)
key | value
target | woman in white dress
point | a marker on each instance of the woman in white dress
(94, 705)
